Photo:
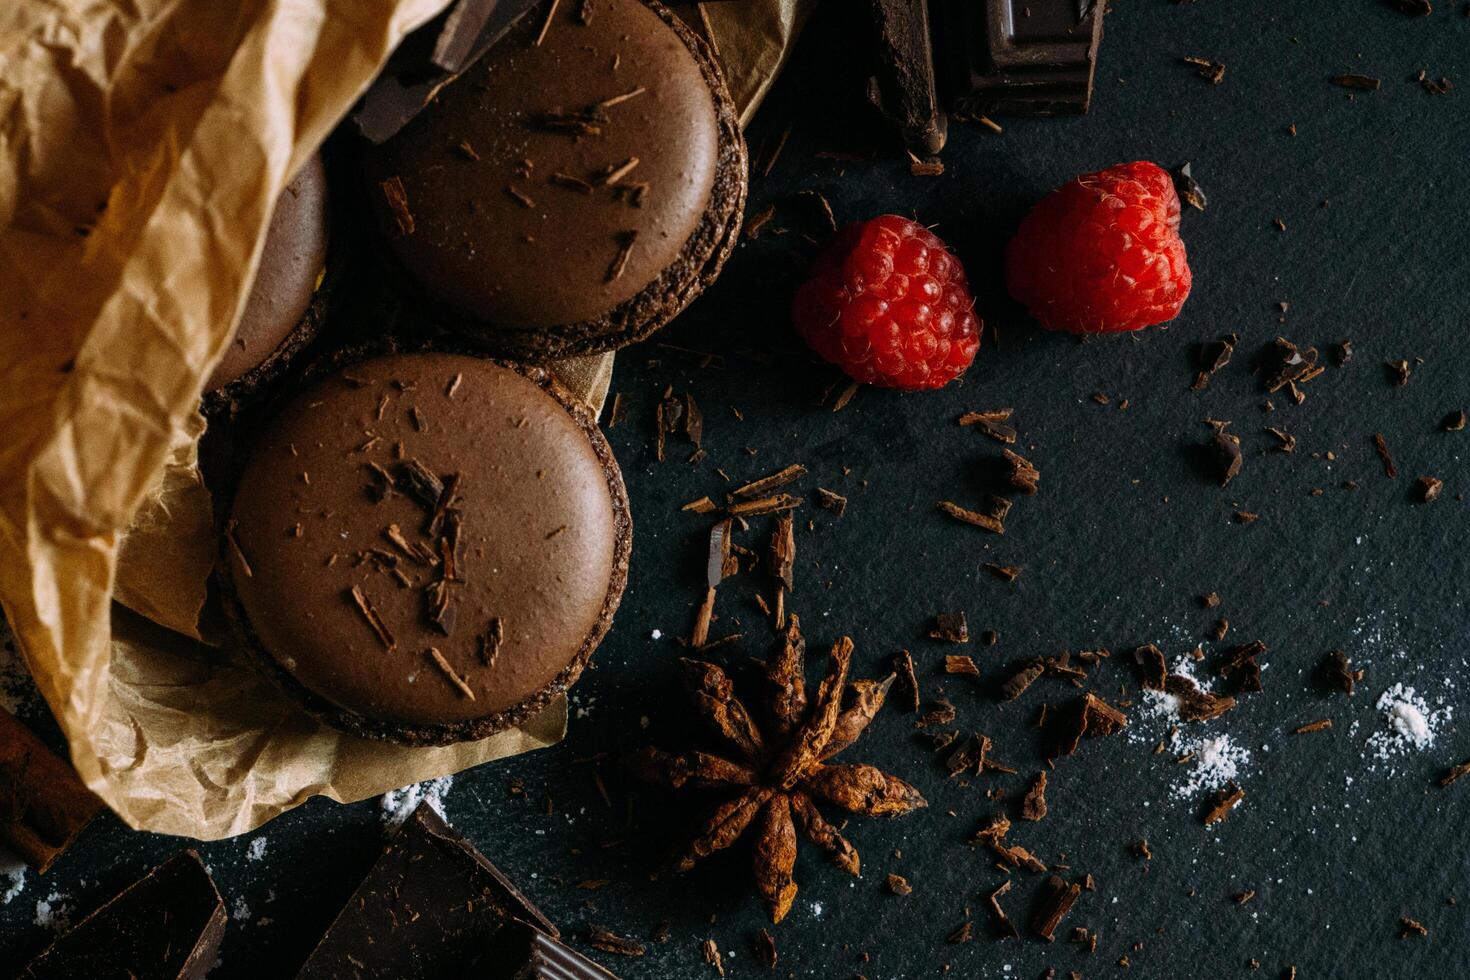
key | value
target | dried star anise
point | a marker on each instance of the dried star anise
(780, 766)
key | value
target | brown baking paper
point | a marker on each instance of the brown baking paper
(142, 146)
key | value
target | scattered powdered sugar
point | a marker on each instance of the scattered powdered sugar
(399, 804)
(1217, 760)
(1412, 723)
(53, 912)
(1157, 709)
(240, 911)
(256, 850)
(12, 876)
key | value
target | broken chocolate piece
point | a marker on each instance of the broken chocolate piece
(1058, 901)
(1017, 57)
(904, 89)
(1428, 488)
(167, 925)
(429, 907)
(951, 627)
(43, 804)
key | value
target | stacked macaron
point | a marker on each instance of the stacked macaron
(427, 546)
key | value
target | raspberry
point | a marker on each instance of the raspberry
(1102, 253)
(889, 304)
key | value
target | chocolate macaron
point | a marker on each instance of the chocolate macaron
(427, 547)
(280, 316)
(574, 189)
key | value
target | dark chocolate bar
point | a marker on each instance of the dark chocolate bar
(165, 926)
(520, 952)
(1017, 57)
(430, 908)
(43, 803)
(903, 88)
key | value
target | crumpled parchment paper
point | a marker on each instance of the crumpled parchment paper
(142, 146)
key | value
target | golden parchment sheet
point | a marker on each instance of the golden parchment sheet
(142, 147)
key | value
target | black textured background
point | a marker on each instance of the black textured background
(1126, 533)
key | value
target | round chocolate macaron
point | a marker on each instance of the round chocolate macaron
(427, 547)
(574, 189)
(279, 318)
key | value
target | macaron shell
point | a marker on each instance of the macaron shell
(514, 220)
(291, 263)
(542, 544)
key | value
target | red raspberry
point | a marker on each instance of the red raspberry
(889, 304)
(1102, 253)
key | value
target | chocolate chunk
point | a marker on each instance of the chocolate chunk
(165, 926)
(904, 87)
(428, 59)
(1018, 57)
(43, 804)
(430, 907)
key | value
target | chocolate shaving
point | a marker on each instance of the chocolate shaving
(1363, 83)
(610, 942)
(448, 671)
(441, 605)
(1196, 704)
(397, 199)
(1454, 773)
(1033, 807)
(994, 525)
(1004, 926)
(419, 482)
(1381, 445)
(1241, 662)
(1454, 422)
(950, 627)
(1022, 679)
(365, 606)
(572, 183)
(1320, 725)
(1287, 364)
(1006, 573)
(1190, 193)
(961, 664)
(491, 640)
(903, 664)
(765, 505)
(763, 486)
(625, 251)
(1428, 488)
(1155, 671)
(1411, 927)
(1340, 673)
(1055, 904)
(783, 551)
(1398, 372)
(1023, 476)
(992, 424)
(942, 713)
(828, 500)
(899, 885)
(1226, 448)
(1224, 802)
(1211, 71)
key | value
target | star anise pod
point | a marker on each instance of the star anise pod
(780, 765)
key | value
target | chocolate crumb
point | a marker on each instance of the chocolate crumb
(1454, 773)
(828, 500)
(899, 885)
(1428, 488)
(1363, 83)
(1339, 672)
(1321, 724)
(1411, 927)
(1398, 372)
(1211, 71)
(951, 627)
(625, 251)
(610, 942)
(1006, 573)
(1033, 807)
(1023, 476)
(1454, 422)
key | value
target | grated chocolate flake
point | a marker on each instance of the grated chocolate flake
(992, 423)
(449, 673)
(1033, 807)
(1023, 476)
(1380, 444)
(1055, 904)
(1428, 488)
(1225, 801)
(827, 500)
(903, 666)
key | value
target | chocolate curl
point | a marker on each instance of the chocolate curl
(805, 749)
(867, 698)
(43, 804)
(786, 674)
(775, 856)
(823, 834)
(725, 826)
(863, 789)
(689, 769)
(714, 696)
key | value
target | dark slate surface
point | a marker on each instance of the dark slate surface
(1127, 532)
